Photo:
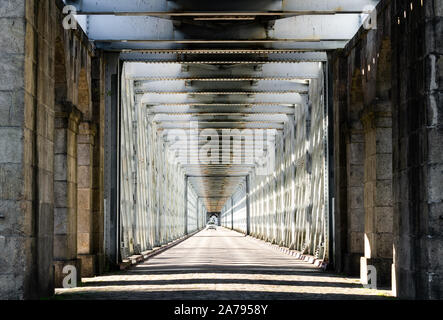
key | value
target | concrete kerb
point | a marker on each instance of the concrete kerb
(145, 255)
(319, 263)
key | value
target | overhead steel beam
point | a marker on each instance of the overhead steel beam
(207, 110)
(205, 118)
(225, 125)
(281, 98)
(138, 32)
(180, 85)
(192, 92)
(189, 55)
(305, 70)
(216, 176)
(306, 46)
(168, 7)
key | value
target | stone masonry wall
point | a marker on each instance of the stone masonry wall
(31, 97)
(387, 86)
(418, 143)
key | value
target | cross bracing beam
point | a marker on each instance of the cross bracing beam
(224, 125)
(250, 98)
(193, 55)
(211, 118)
(219, 111)
(221, 86)
(316, 45)
(193, 92)
(138, 32)
(215, 176)
(164, 6)
(306, 70)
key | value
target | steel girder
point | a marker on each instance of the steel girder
(164, 6)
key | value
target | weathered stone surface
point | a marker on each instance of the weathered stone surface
(11, 145)
(13, 30)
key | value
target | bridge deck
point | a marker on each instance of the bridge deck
(221, 264)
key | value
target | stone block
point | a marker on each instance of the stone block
(12, 71)
(46, 186)
(369, 195)
(12, 9)
(12, 108)
(60, 167)
(383, 193)
(84, 178)
(11, 144)
(84, 198)
(384, 166)
(88, 265)
(61, 220)
(60, 141)
(355, 198)
(383, 245)
(356, 241)
(29, 102)
(384, 140)
(355, 175)
(435, 216)
(12, 40)
(84, 153)
(72, 195)
(61, 194)
(11, 181)
(370, 168)
(84, 220)
(356, 153)
(370, 143)
(435, 147)
(17, 217)
(45, 157)
(84, 243)
(384, 219)
(435, 186)
(65, 246)
(10, 288)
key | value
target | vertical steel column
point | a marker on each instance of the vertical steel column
(198, 213)
(248, 211)
(186, 205)
(232, 214)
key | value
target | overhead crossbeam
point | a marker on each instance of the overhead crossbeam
(305, 70)
(195, 55)
(173, 8)
(224, 86)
